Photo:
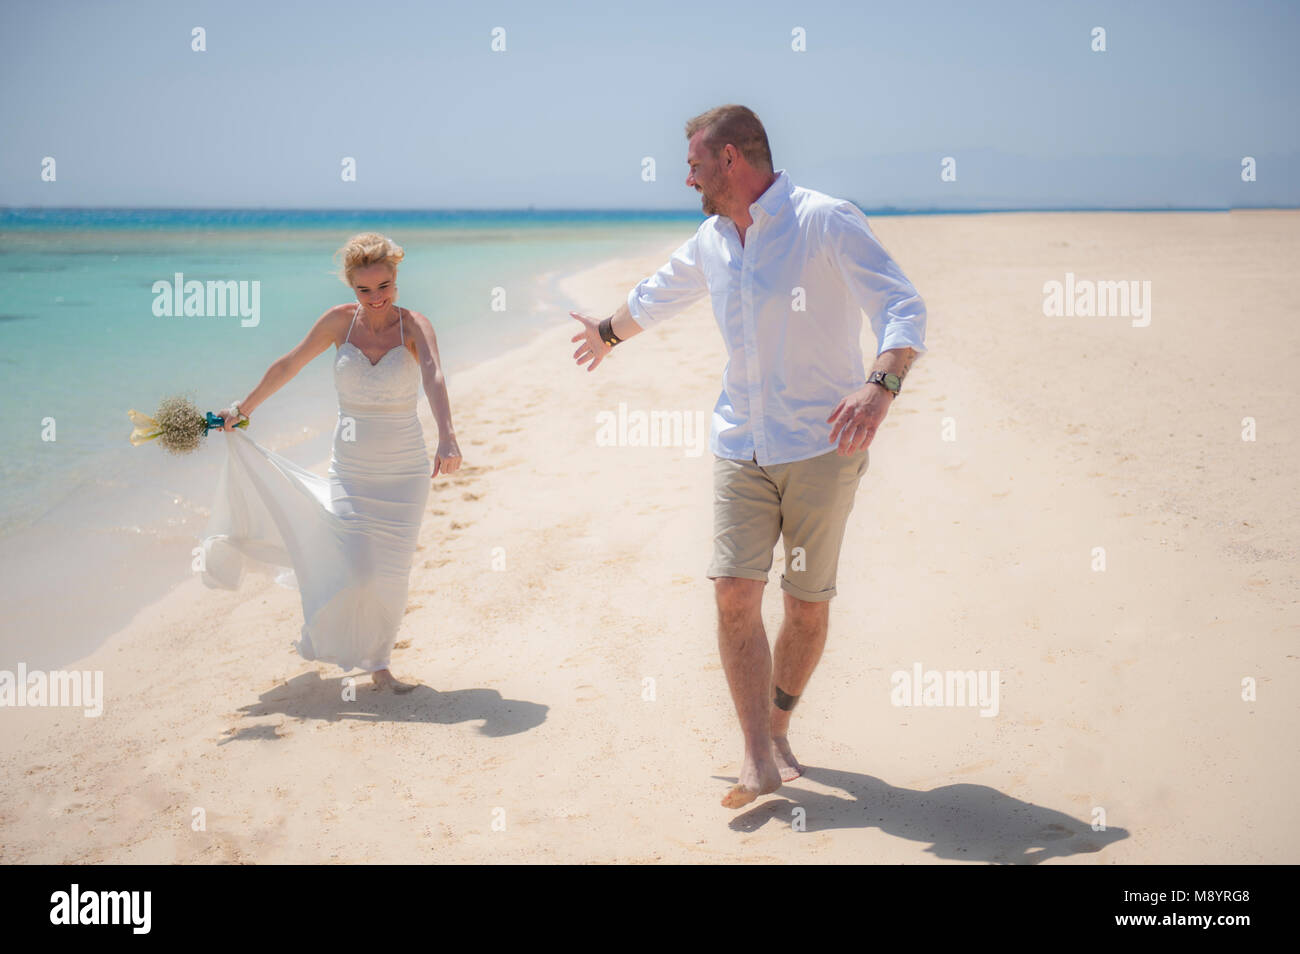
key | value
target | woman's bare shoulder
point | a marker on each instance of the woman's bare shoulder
(333, 323)
(339, 314)
(420, 320)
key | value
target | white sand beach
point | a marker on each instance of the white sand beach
(574, 708)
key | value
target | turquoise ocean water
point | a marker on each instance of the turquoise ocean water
(91, 528)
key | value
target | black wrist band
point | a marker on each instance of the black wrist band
(607, 335)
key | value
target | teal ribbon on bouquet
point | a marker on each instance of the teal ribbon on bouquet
(177, 425)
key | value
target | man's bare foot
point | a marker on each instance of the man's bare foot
(786, 763)
(754, 781)
(383, 679)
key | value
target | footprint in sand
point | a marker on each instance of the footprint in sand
(974, 767)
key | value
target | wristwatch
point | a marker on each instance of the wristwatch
(890, 382)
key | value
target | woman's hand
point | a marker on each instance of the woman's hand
(447, 460)
(229, 418)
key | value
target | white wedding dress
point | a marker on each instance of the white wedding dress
(348, 540)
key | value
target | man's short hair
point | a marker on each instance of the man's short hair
(737, 126)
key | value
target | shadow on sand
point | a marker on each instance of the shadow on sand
(308, 697)
(960, 822)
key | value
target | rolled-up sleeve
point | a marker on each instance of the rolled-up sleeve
(672, 289)
(874, 280)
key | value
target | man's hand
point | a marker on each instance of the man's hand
(857, 416)
(592, 348)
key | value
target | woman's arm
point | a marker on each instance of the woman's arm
(323, 334)
(448, 459)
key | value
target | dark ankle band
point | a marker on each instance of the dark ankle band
(784, 700)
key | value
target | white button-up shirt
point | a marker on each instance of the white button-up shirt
(789, 304)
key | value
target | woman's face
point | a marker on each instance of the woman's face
(376, 286)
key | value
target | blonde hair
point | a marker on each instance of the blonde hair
(366, 249)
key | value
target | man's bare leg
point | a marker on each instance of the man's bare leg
(747, 661)
(798, 650)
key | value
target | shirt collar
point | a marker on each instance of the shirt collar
(775, 196)
(769, 203)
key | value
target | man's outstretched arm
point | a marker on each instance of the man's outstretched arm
(669, 291)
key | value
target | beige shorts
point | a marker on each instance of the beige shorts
(806, 503)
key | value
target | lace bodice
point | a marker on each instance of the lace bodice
(393, 382)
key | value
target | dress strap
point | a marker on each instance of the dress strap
(399, 325)
(348, 337)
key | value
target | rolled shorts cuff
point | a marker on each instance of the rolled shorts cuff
(808, 596)
(744, 573)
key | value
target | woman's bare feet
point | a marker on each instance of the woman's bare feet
(755, 779)
(383, 679)
(786, 763)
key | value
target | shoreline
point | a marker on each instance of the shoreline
(302, 432)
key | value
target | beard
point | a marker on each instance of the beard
(709, 203)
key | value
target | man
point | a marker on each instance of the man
(789, 271)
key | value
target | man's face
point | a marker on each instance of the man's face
(706, 175)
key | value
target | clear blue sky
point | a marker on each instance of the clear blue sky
(584, 91)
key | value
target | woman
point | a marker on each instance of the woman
(349, 539)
